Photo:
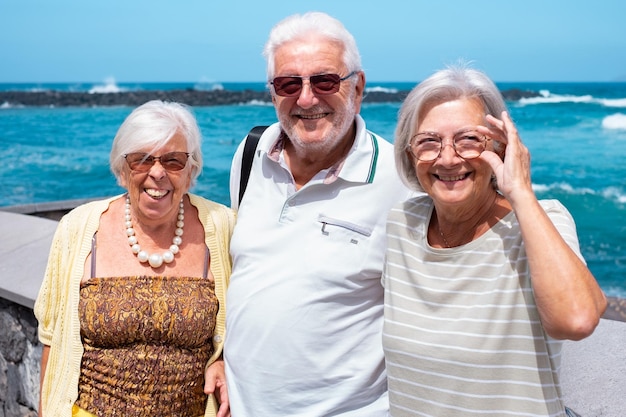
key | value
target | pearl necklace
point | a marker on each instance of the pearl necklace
(155, 260)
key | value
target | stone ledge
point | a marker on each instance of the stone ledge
(24, 249)
(593, 372)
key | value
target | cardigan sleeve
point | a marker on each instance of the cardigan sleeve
(218, 221)
(50, 294)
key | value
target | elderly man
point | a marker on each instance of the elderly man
(304, 307)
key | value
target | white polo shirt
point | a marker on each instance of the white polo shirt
(305, 302)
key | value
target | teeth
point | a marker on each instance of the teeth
(156, 193)
(312, 116)
(455, 178)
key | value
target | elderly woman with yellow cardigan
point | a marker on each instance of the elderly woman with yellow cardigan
(132, 310)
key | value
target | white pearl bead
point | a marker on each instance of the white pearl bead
(168, 257)
(155, 260)
(132, 240)
(174, 249)
(135, 248)
(142, 256)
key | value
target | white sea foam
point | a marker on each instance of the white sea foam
(548, 98)
(378, 89)
(257, 103)
(545, 97)
(563, 186)
(610, 193)
(614, 193)
(207, 85)
(615, 121)
(7, 105)
(613, 102)
(110, 86)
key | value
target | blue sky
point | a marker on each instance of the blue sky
(221, 41)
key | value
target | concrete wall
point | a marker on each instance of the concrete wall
(24, 247)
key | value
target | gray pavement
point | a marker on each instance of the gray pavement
(24, 246)
(593, 372)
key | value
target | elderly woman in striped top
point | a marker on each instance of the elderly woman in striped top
(482, 280)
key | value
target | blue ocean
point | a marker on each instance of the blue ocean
(576, 133)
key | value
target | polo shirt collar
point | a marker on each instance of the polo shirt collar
(359, 165)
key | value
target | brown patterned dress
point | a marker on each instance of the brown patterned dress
(147, 341)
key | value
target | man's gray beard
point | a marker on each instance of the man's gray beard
(335, 136)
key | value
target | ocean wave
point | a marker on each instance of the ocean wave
(612, 102)
(615, 194)
(379, 89)
(7, 105)
(205, 85)
(615, 121)
(109, 86)
(546, 97)
(257, 103)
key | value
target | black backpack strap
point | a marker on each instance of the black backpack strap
(252, 141)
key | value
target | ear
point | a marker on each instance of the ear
(360, 84)
(359, 88)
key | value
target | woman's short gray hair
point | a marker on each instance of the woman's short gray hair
(152, 125)
(449, 84)
(301, 26)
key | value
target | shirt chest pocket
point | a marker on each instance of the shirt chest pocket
(344, 230)
(340, 253)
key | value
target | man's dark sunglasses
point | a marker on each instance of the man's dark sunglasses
(322, 84)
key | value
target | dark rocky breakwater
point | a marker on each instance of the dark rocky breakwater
(189, 96)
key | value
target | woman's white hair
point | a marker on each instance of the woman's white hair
(152, 125)
(451, 83)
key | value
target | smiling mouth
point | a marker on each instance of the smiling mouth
(156, 194)
(452, 178)
(313, 116)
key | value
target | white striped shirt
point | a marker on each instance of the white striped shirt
(462, 334)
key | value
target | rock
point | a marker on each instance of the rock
(12, 340)
(188, 96)
(516, 94)
(28, 377)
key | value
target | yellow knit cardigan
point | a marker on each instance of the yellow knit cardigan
(56, 307)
